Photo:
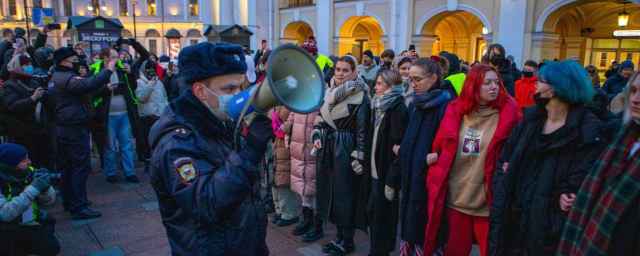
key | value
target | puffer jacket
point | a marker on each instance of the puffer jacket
(614, 85)
(281, 155)
(153, 99)
(303, 164)
(209, 194)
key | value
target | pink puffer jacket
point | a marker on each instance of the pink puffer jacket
(303, 164)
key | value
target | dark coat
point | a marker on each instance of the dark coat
(614, 85)
(409, 172)
(375, 213)
(21, 109)
(72, 95)
(178, 86)
(338, 186)
(128, 90)
(562, 167)
(507, 79)
(218, 209)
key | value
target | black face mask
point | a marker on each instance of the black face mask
(541, 102)
(151, 74)
(527, 74)
(387, 64)
(76, 66)
(497, 60)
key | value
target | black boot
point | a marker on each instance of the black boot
(306, 223)
(269, 206)
(315, 232)
(345, 247)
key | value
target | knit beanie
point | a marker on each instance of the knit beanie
(12, 154)
(311, 45)
(626, 64)
(368, 53)
(24, 60)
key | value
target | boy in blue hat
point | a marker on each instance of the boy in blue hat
(209, 194)
(24, 229)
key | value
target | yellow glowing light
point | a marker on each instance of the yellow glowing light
(90, 8)
(153, 5)
(623, 18)
(173, 11)
(485, 30)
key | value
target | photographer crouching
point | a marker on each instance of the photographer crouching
(24, 228)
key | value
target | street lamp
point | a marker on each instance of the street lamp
(104, 7)
(485, 30)
(90, 7)
(623, 17)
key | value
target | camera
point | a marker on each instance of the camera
(55, 177)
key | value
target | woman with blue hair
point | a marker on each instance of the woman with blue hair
(543, 163)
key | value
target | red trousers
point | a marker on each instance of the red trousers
(463, 229)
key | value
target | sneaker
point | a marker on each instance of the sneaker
(112, 179)
(133, 179)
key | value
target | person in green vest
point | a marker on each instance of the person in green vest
(24, 228)
(325, 64)
(117, 110)
(455, 76)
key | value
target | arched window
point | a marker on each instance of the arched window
(126, 33)
(152, 41)
(194, 33)
(152, 33)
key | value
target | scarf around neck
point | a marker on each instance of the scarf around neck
(611, 186)
(430, 99)
(340, 91)
(380, 104)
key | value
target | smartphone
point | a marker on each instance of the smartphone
(121, 84)
(170, 66)
(412, 48)
(54, 26)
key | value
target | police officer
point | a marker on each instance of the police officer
(24, 229)
(209, 194)
(74, 110)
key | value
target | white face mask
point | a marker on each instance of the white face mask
(222, 112)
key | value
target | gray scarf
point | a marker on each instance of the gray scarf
(380, 104)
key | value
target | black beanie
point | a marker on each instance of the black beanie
(62, 53)
(368, 53)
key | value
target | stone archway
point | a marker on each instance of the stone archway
(296, 32)
(458, 32)
(358, 34)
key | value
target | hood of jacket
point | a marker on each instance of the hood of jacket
(454, 62)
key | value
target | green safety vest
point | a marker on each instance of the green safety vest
(96, 67)
(26, 182)
(322, 61)
(457, 81)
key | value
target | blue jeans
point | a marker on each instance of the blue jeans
(119, 129)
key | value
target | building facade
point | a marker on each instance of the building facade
(528, 29)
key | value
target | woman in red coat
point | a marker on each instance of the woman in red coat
(471, 135)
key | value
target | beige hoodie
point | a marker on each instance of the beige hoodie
(153, 99)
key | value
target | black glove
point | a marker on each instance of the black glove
(42, 182)
(259, 134)
(132, 41)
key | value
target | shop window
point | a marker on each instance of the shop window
(151, 7)
(124, 8)
(67, 8)
(193, 41)
(193, 8)
(605, 43)
(37, 3)
(630, 44)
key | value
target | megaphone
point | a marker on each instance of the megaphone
(293, 79)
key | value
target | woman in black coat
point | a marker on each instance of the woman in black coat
(21, 95)
(543, 164)
(377, 214)
(340, 137)
(409, 172)
(495, 58)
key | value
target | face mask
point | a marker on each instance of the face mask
(151, 74)
(497, 59)
(527, 73)
(76, 66)
(222, 111)
(541, 102)
(28, 70)
(96, 60)
(261, 68)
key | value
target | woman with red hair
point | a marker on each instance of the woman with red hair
(471, 135)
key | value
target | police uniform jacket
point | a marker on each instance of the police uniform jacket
(208, 193)
(72, 95)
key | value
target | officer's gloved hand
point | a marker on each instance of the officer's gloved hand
(42, 182)
(259, 134)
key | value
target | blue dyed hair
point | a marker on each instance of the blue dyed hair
(569, 81)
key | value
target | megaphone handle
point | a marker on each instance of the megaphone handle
(238, 129)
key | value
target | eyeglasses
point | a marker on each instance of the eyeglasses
(414, 80)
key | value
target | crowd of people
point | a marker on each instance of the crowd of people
(538, 161)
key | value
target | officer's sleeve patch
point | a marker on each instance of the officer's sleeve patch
(186, 170)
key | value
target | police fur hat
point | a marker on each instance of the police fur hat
(205, 60)
(62, 53)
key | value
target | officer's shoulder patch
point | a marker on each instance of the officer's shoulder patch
(186, 170)
(78, 77)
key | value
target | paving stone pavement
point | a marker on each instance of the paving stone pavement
(131, 224)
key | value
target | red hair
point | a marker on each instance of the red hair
(470, 94)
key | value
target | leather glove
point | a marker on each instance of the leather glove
(41, 182)
(389, 193)
(357, 167)
(259, 134)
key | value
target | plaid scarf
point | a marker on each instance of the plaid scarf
(611, 185)
(380, 104)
